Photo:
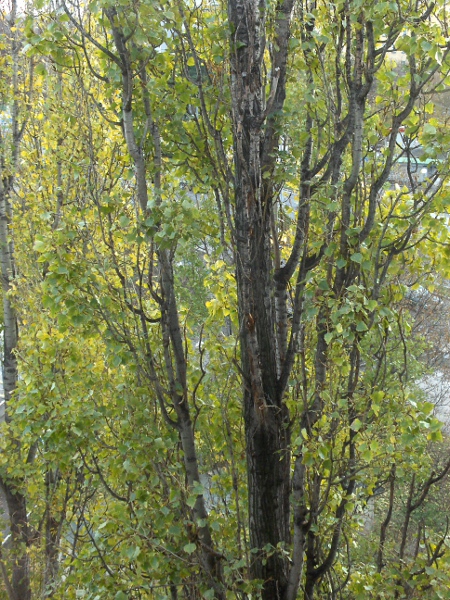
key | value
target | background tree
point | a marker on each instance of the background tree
(16, 99)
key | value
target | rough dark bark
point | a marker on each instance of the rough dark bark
(265, 415)
(18, 551)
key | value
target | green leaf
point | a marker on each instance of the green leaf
(323, 285)
(356, 425)
(372, 304)
(356, 257)
(429, 129)
(328, 337)
(361, 326)
(40, 245)
(191, 501)
(198, 488)
(190, 548)
(308, 458)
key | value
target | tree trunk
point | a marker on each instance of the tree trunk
(265, 415)
(13, 497)
(15, 500)
(18, 555)
(52, 535)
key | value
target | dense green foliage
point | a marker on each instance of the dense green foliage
(126, 433)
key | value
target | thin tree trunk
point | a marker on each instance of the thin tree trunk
(52, 535)
(176, 365)
(15, 499)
